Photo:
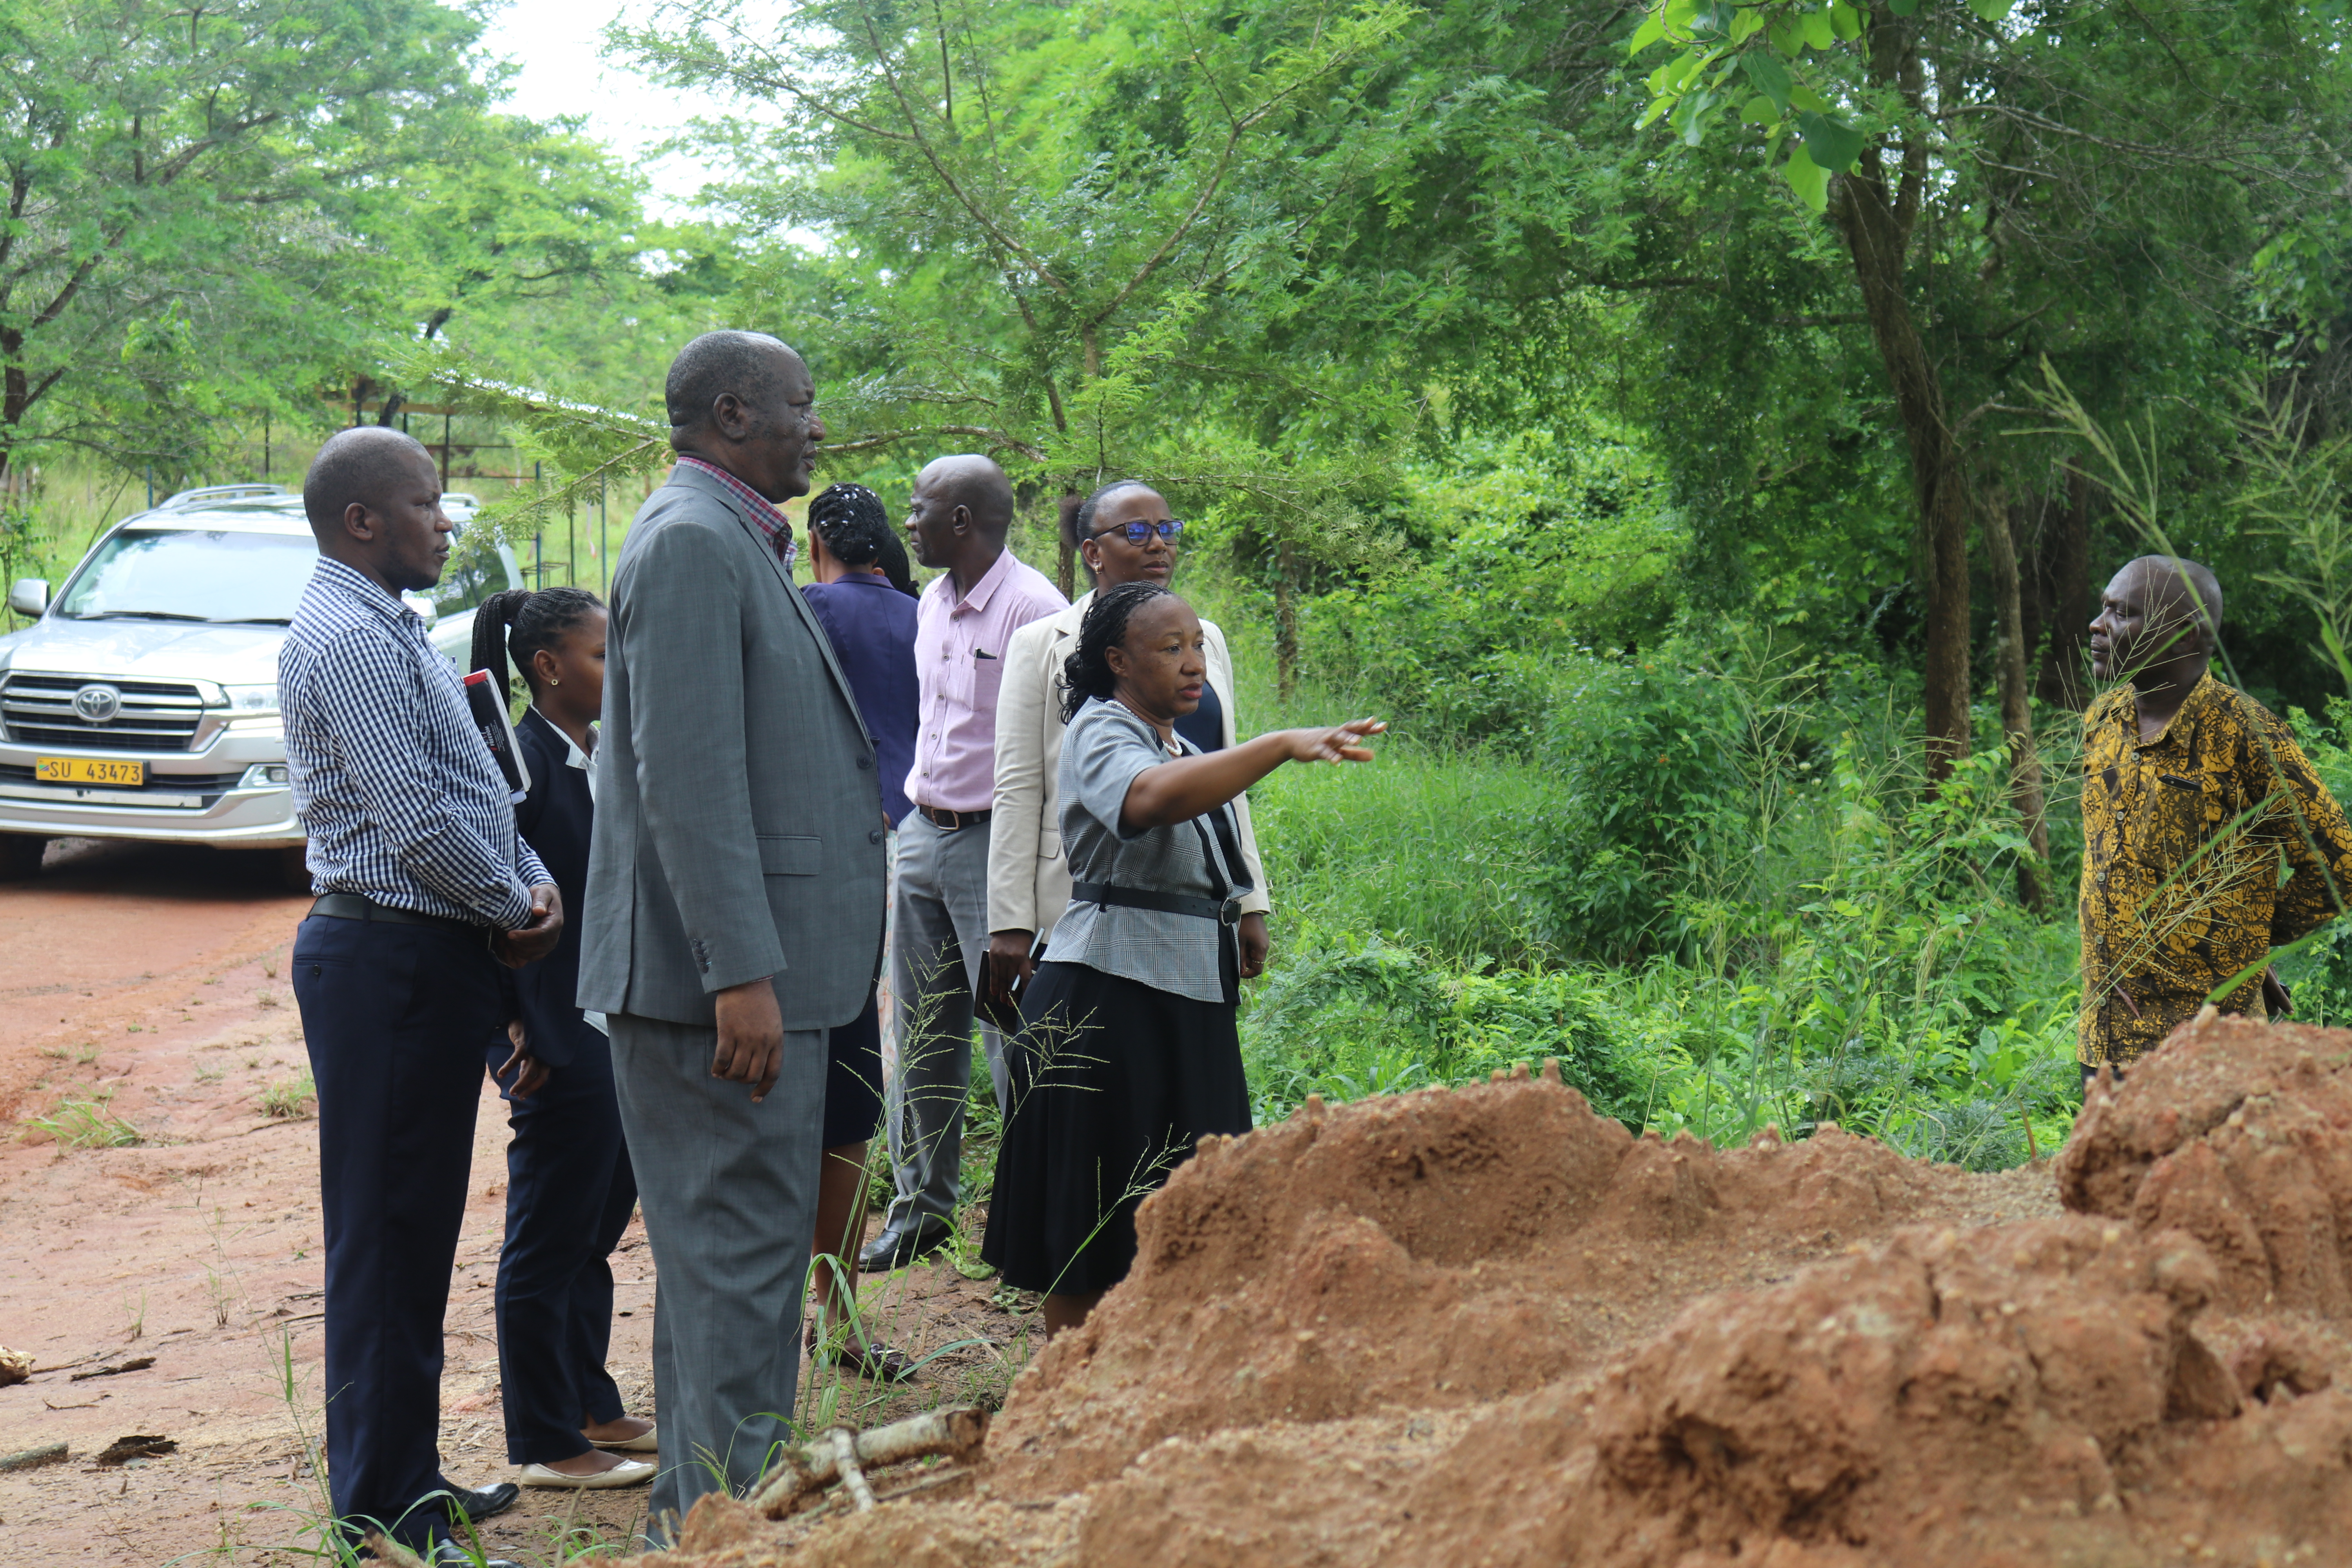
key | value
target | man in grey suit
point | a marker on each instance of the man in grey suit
(733, 905)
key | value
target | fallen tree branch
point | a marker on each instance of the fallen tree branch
(843, 1455)
(33, 1458)
(136, 1364)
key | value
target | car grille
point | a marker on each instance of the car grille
(156, 716)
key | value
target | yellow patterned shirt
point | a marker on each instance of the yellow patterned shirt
(2202, 850)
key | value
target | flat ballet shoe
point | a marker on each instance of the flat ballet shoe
(644, 1442)
(627, 1473)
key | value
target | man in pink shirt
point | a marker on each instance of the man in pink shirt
(957, 520)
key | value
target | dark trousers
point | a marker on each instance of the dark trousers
(570, 1192)
(394, 1016)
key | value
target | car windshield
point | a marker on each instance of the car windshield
(192, 575)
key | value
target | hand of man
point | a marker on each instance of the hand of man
(750, 1037)
(2277, 1000)
(531, 1073)
(1251, 933)
(1009, 967)
(537, 938)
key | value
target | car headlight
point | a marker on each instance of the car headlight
(252, 701)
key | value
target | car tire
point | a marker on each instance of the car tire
(294, 869)
(20, 855)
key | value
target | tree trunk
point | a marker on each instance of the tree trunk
(2066, 681)
(2016, 710)
(2026, 519)
(1876, 224)
(1285, 622)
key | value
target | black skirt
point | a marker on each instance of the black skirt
(853, 1078)
(1112, 1084)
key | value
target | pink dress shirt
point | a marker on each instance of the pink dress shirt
(959, 664)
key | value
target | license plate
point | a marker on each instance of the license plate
(90, 770)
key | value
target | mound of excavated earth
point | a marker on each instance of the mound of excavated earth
(1487, 1327)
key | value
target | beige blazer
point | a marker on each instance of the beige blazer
(1028, 879)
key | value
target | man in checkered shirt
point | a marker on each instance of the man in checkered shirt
(422, 889)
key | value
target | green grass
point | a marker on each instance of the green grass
(1423, 846)
(290, 1098)
(79, 1123)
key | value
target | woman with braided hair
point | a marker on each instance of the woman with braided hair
(569, 1187)
(1127, 1054)
(867, 607)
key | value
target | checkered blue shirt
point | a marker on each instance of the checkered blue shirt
(399, 796)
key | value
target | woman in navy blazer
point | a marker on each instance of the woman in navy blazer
(570, 1188)
(867, 611)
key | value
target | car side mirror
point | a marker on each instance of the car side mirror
(28, 596)
(422, 606)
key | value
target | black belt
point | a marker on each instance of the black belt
(952, 820)
(358, 907)
(1224, 911)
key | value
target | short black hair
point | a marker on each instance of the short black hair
(361, 464)
(1078, 522)
(745, 364)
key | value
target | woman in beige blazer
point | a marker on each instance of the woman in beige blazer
(1124, 536)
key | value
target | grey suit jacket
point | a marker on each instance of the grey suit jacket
(739, 826)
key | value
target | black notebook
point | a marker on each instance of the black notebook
(486, 696)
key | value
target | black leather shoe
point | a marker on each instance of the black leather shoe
(895, 1248)
(448, 1553)
(481, 1502)
(878, 1362)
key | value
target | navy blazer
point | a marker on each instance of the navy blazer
(554, 819)
(871, 627)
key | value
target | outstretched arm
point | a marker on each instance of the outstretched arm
(1181, 790)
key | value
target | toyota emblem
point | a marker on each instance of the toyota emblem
(98, 704)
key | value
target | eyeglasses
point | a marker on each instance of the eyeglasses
(1167, 528)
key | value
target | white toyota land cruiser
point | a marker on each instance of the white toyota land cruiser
(143, 702)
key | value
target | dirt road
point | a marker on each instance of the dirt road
(147, 985)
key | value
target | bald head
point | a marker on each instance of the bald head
(958, 515)
(2183, 588)
(374, 500)
(2159, 622)
(362, 465)
(975, 483)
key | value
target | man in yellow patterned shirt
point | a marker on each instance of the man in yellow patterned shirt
(2207, 841)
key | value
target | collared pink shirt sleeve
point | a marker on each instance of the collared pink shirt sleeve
(959, 664)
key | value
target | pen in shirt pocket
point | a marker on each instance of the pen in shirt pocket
(982, 653)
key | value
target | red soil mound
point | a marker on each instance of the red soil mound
(1488, 1327)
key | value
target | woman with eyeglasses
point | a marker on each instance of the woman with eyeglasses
(1124, 534)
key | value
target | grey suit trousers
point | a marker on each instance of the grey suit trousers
(938, 940)
(730, 1195)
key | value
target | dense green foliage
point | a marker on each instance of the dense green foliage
(1655, 409)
